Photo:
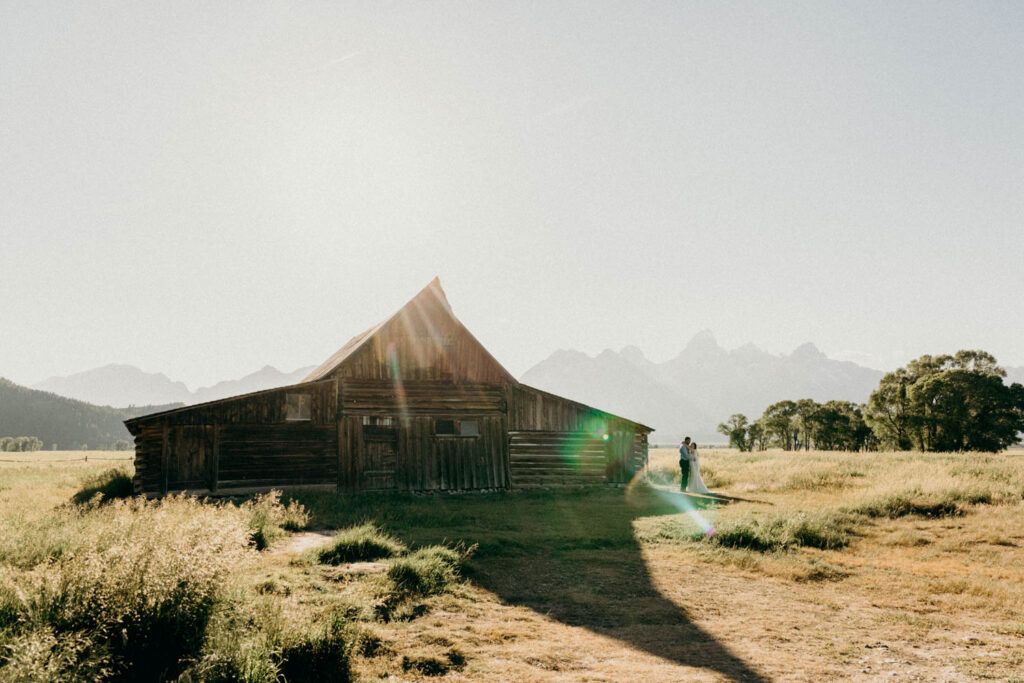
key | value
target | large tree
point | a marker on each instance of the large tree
(947, 403)
(735, 428)
(839, 425)
(779, 422)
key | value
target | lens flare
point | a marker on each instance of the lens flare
(396, 378)
(678, 500)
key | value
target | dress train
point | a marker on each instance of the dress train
(696, 482)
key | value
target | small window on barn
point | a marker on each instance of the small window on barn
(444, 427)
(469, 428)
(297, 407)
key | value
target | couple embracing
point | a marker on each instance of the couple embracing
(689, 465)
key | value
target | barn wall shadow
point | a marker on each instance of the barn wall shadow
(571, 556)
(608, 593)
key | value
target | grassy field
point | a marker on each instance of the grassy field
(829, 566)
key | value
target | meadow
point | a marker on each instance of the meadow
(862, 566)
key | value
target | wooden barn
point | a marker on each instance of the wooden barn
(415, 403)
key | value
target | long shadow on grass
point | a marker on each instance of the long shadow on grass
(570, 555)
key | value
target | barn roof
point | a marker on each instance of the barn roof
(433, 294)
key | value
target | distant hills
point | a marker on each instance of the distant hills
(125, 385)
(75, 410)
(63, 421)
(702, 386)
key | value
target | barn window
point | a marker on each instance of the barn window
(444, 427)
(297, 407)
(469, 428)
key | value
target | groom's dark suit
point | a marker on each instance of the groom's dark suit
(684, 467)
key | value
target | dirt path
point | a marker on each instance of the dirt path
(300, 542)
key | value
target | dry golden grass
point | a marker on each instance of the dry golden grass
(616, 584)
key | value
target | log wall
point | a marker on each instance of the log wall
(544, 429)
(245, 441)
(555, 458)
(551, 458)
(419, 397)
(277, 455)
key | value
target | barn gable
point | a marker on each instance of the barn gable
(423, 340)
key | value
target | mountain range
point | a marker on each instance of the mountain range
(126, 385)
(702, 386)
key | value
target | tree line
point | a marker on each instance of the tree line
(27, 444)
(20, 444)
(953, 402)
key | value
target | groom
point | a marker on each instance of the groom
(684, 463)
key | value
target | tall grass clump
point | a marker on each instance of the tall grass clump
(427, 571)
(320, 654)
(129, 597)
(782, 532)
(113, 484)
(359, 543)
(916, 502)
(269, 520)
(249, 641)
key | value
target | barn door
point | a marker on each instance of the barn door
(191, 457)
(379, 457)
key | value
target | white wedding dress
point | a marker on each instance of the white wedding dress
(695, 483)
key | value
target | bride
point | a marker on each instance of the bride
(696, 482)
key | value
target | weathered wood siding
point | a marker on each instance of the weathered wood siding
(549, 458)
(149, 443)
(246, 441)
(419, 397)
(277, 455)
(262, 407)
(407, 454)
(557, 441)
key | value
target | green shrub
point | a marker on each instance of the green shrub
(110, 485)
(269, 519)
(359, 543)
(781, 532)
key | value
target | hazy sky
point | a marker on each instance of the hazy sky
(203, 188)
